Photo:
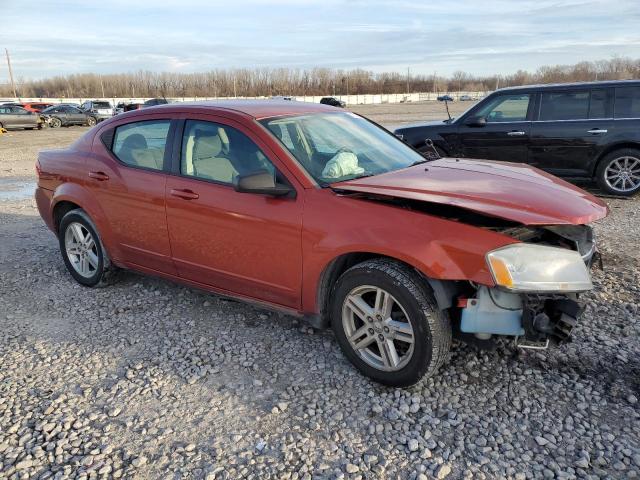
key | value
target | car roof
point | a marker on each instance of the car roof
(562, 86)
(257, 109)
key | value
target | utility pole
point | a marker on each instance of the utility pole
(407, 80)
(434, 81)
(102, 86)
(235, 94)
(13, 83)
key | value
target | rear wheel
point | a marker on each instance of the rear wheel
(91, 121)
(618, 172)
(82, 250)
(388, 324)
(55, 122)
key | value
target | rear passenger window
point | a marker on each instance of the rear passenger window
(212, 151)
(627, 102)
(142, 144)
(564, 106)
(598, 104)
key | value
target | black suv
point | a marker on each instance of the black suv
(333, 101)
(578, 130)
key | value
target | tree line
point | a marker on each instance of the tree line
(253, 82)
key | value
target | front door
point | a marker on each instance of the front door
(242, 243)
(504, 136)
(571, 127)
(128, 178)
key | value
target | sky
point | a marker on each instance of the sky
(53, 37)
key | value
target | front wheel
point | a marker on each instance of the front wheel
(82, 250)
(618, 172)
(55, 122)
(388, 324)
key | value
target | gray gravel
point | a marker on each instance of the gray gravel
(147, 379)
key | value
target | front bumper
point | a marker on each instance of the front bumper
(536, 318)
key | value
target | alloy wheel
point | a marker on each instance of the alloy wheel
(623, 174)
(81, 249)
(378, 328)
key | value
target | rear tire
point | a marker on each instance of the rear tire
(414, 334)
(91, 121)
(618, 173)
(83, 252)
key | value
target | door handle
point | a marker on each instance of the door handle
(596, 131)
(516, 133)
(100, 176)
(184, 194)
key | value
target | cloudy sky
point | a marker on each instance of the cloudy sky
(50, 37)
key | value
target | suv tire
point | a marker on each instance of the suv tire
(83, 252)
(618, 173)
(413, 333)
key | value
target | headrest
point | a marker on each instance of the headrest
(135, 140)
(206, 144)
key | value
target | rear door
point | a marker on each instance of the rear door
(242, 243)
(570, 128)
(127, 174)
(505, 136)
(76, 115)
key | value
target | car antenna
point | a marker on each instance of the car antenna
(446, 105)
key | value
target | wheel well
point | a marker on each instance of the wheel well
(60, 210)
(443, 290)
(612, 148)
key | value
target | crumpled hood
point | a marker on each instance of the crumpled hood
(511, 191)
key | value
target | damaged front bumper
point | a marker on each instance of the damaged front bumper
(535, 320)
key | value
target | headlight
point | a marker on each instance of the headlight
(526, 267)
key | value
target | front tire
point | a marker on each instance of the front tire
(388, 324)
(618, 173)
(55, 122)
(82, 250)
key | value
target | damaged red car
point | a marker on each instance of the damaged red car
(323, 214)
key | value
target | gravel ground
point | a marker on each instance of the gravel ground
(148, 379)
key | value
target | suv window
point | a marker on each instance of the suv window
(598, 104)
(142, 144)
(569, 105)
(627, 102)
(212, 151)
(506, 108)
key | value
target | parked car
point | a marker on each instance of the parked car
(127, 107)
(579, 130)
(17, 117)
(35, 107)
(152, 102)
(323, 214)
(98, 109)
(333, 101)
(65, 115)
(445, 98)
(467, 98)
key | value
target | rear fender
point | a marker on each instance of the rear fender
(72, 192)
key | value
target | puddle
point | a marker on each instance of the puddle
(12, 189)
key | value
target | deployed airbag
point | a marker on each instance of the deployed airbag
(341, 165)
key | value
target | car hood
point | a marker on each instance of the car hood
(512, 191)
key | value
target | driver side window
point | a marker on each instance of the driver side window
(506, 108)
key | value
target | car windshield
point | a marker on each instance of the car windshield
(334, 147)
(101, 105)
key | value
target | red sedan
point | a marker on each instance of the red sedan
(321, 213)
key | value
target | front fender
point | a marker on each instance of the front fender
(439, 248)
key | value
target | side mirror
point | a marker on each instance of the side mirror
(476, 121)
(261, 182)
